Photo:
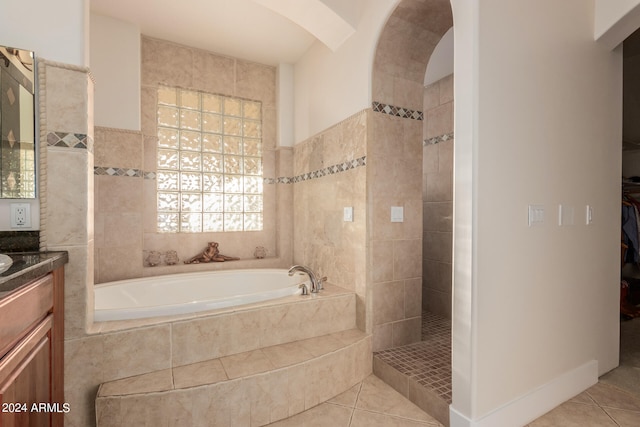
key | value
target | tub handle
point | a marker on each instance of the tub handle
(305, 290)
(320, 282)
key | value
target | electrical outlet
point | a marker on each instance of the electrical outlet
(20, 215)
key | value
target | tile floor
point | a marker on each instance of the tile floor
(427, 362)
(374, 403)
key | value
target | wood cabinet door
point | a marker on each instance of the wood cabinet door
(25, 390)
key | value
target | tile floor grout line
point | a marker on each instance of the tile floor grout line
(353, 411)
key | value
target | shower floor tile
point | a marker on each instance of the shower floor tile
(427, 362)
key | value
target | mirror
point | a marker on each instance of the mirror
(17, 124)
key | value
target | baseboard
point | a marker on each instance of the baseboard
(536, 403)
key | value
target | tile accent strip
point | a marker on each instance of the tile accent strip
(397, 111)
(330, 170)
(437, 139)
(70, 140)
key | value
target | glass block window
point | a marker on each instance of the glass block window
(209, 171)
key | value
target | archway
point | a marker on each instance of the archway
(396, 176)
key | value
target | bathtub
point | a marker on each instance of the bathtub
(191, 292)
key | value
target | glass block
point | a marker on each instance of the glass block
(189, 99)
(167, 138)
(252, 110)
(190, 140)
(232, 107)
(213, 222)
(253, 222)
(211, 162)
(233, 203)
(253, 185)
(212, 202)
(252, 147)
(212, 182)
(211, 123)
(168, 202)
(233, 164)
(190, 181)
(211, 103)
(190, 161)
(253, 203)
(252, 129)
(167, 159)
(168, 116)
(233, 184)
(211, 143)
(253, 165)
(168, 222)
(167, 96)
(191, 222)
(232, 126)
(232, 145)
(167, 181)
(190, 119)
(191, 202)
(233, 222)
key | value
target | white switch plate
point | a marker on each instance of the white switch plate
(589, 215)
(536, 215)
(397, 214)
(348, 214)
(565, 215)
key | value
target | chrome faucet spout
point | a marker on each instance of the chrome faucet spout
(315, 285)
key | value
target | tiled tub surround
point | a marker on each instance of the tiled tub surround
(126, 203)
(130, 348)
(437, 177)
(329, 174)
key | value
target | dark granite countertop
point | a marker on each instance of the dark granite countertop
(28, 266)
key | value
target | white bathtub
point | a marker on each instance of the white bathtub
(191, 292)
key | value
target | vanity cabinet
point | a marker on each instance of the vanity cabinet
(32, 349)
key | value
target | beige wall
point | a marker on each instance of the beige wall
(437, 191)
(532, 304)
(126, 202)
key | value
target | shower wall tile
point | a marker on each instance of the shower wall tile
(407, 331)
(256, 81)
(438, 196)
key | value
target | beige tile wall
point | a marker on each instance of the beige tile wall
(437, 181)
(126, 206)
(322, 240)
(394, 168)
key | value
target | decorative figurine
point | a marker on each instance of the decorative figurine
(171, 258)
(153, 258)
(260, 252)
(210, 254)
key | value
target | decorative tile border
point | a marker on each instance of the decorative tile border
(70, 140)
(330, 170)
(111, 171)
(437, 139)
(392, 110)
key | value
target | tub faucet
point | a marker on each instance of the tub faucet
(315, 284)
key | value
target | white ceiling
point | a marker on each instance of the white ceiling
(239, 28)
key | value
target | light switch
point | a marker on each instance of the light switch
(565, 215)
(536, 215)
(348, 214)
(397, 214)
(589, 214)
